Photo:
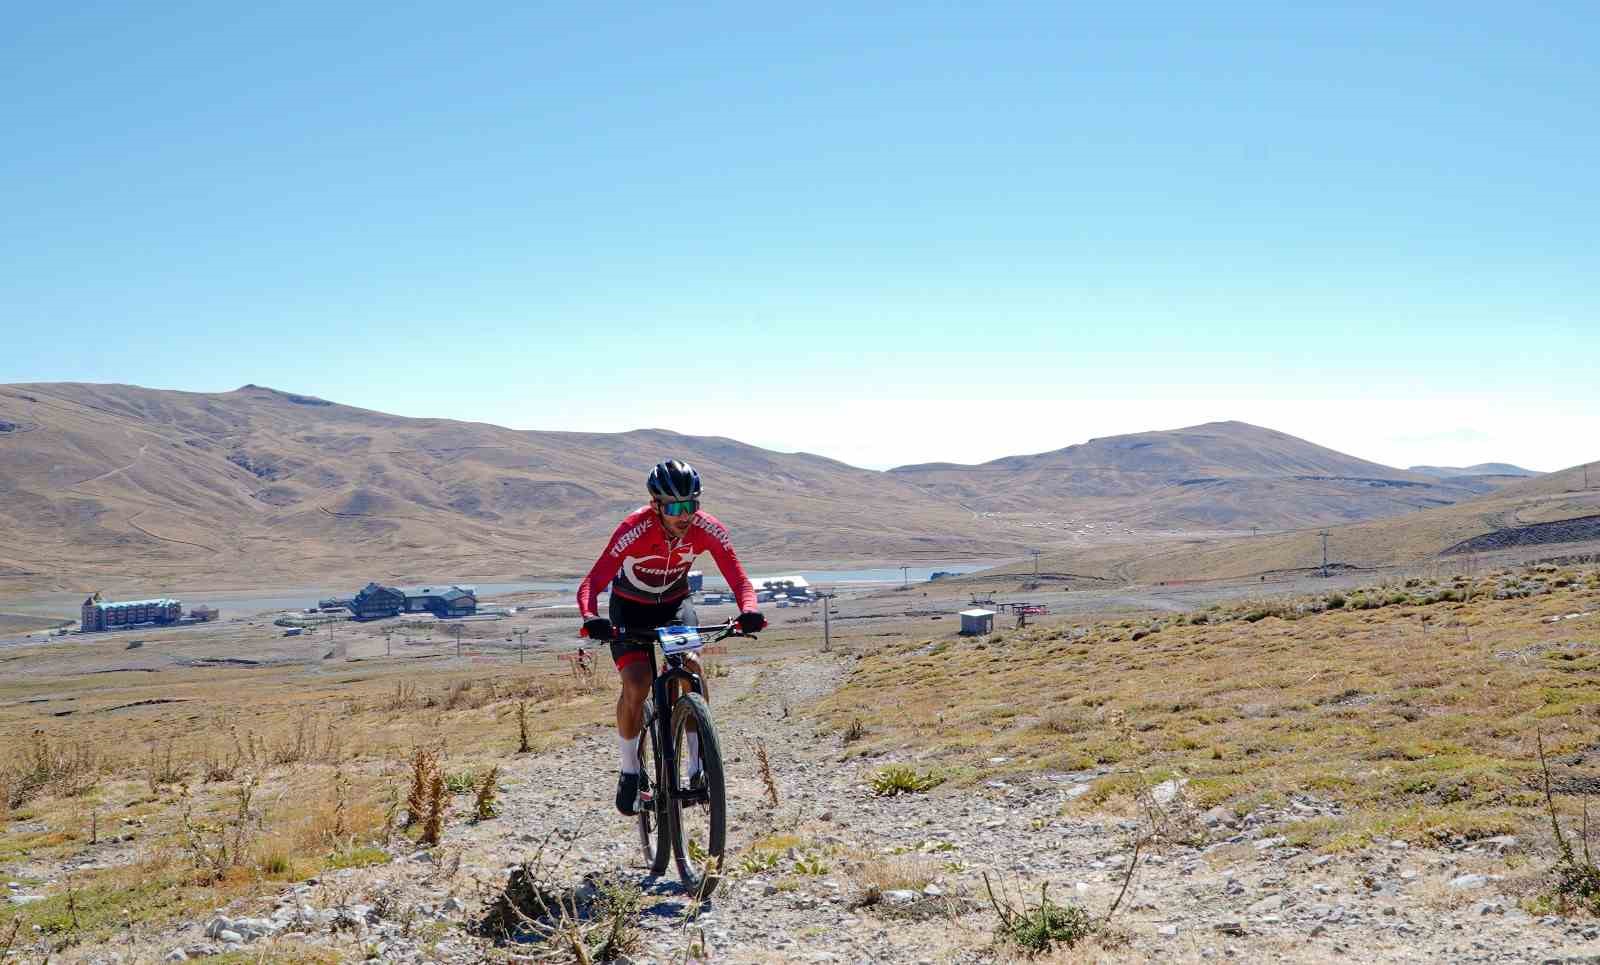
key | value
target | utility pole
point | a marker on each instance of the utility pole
(522, 642)
(827, 636)
(1324, 535)
(905, 575)
(1035, 562)
(457, 629)
(386, 635)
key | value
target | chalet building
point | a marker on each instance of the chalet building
(100, 615)
(443, 602)
(376, 601)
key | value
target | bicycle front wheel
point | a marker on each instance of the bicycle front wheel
(698, 824)
(654, 837)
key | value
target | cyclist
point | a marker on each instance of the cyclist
(647, 565)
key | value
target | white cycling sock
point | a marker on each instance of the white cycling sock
(693, 740)
(628, 751)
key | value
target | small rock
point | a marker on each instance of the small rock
(1266, 906)
(176, 955)
(453, 905)
(1469, 881)
(217, 925)
(1167, 931)
(1231, 926)
(229, 936)
(1318, 930)
(423, 857)
(1218, 816)
(899, 896)
(1266, 843)
(932, 890)
(1320, 860)
(1167, 791)
(1501, 843)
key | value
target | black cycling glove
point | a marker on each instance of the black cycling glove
(598, 628)
(751, 621)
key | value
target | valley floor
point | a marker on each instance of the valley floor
(836, 872)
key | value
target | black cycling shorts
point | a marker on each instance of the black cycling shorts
(641, 620)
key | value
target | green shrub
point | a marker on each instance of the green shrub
(1034, 931)
(1336, 601)
(903, 779)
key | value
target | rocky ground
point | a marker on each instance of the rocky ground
(1236, 890)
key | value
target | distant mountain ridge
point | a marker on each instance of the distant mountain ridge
(1220, 474)
(103, 486)
(1481, 469)
(113, 485)
(1543, 510)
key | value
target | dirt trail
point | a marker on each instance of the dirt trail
(1243, 895)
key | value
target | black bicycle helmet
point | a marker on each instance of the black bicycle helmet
(674, 479)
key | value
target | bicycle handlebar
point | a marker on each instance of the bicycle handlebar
(717, 631)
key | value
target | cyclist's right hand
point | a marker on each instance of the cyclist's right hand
(598, 628)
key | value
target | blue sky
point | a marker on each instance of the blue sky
(907, 233)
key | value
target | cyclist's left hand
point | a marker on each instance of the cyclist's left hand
(751, 621)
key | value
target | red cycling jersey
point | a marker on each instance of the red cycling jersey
(643, 564)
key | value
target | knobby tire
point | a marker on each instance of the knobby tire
(654, 836)
(700, 879)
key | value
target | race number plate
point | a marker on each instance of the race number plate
(679, 639)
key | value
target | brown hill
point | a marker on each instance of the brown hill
(1221, 475)
(109, 485)
(118, 487)
(1543, 511)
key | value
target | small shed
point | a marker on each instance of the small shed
(977, 622)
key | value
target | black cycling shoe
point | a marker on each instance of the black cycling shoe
(697, 784)
(627, 793)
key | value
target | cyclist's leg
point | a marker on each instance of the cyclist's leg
(634, 666)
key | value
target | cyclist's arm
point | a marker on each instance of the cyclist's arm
(600, 574)
(721, 549)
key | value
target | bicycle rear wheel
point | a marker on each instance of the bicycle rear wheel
(699, 829)
(654, 836)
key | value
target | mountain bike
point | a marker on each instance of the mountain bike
(681, 816)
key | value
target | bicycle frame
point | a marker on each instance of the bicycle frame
(665, 696)
(675, 668)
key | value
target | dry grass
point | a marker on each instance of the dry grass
(484, 806)
(230, 782)
(769, 781)
(433, 825)
(904, 872)
(424, 765)
(1416, 718)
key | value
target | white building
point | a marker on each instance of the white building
(977, 622)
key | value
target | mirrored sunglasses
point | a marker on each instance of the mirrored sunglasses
(678, 507)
